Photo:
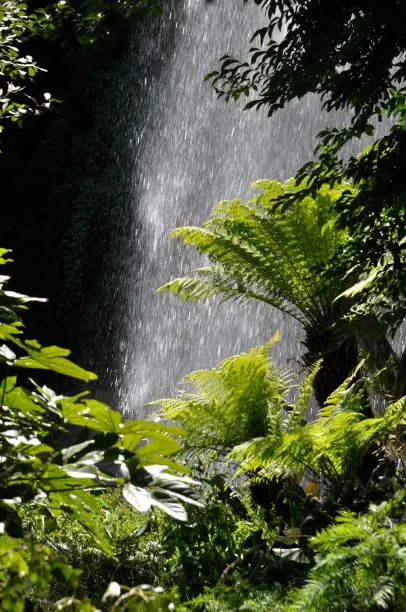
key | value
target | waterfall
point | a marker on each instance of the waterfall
(187, 150)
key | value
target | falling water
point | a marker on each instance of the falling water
(187, 151)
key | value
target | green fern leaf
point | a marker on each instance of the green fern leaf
(262, 251)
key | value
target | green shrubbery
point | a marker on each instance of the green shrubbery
(53, 493)
(298, 515)
(315, 510)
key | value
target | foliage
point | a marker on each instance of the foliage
(28, 570)
(229, 404)
(360, 562)
(350, 54)
(333, 446)
(60, 479)
(16, 68)
(275, 248)
(353, 56)
(89, 20)
(139, 555)
(348, 460)
(260, 251)
(241, 405)
(201, 551)
(157, 551)
(241, 596)
(142, 598)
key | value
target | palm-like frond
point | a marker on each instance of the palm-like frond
(332, 446)
(297, 413)
(240, 407)
(229, 404)
(344, 398)
(360, 563)
(263, 251)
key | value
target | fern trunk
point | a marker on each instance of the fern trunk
(338, 361)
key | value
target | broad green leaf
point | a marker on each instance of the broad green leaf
(50, 358)
(56, 479)
(23, 298)
(82, 507)
(147, 460)
(133, 432)
(9, 330)
(171, 508)
(179, 491)
(7, 355)
(361, 285)
(71, 451)
(90, 413)
(160, 444)
(142, 500)
(2, 259)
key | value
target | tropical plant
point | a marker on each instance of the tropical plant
(277, 255)
(360, 563)
(240, 408)
(332, 447)
(352, 456)
(353, 56)
(260, 251)
(63, 479)
(229, 404)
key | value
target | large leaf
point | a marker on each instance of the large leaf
(143, 500)
(50, 358)
(133, 432)
(90, 413)
(6, 331)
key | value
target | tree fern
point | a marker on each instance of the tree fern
(259, 250)
(277, 254)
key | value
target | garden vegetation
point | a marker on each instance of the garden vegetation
(231, 497)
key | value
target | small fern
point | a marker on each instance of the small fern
(332, 446)
(238, 400)
(241, 408)
(360, 563)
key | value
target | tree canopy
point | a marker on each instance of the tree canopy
(351, 54)
(21, 23)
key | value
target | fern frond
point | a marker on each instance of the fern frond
(297, 414)
(360, 563)
(343, 399)
(265, 252)
(192, 288)
(257, 454)
(231, 403)
(240, 408)
(217, 283)
(332, 446)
